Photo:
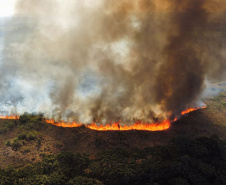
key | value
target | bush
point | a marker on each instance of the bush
(8, 143)
(31, 136)
(25, 118)
(224, 104)
(22, 136)
(31, 121)
(16, 144)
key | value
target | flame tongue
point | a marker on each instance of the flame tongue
(9, 117)
(115, 126)
(63, 124)
(192, 109)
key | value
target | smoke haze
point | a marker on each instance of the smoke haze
(110, 60)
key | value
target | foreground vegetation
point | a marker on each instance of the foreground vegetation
(33, 153)
(184, 161)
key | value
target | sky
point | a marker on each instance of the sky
(7, 7)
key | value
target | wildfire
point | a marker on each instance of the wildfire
(115, 126)
(9, 117)
(191, 109)
(63, 124)
(136, 126)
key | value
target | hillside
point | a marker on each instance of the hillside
(34, 152)
(49, 139)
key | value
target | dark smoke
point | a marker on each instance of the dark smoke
(182, 73)
(109, 60)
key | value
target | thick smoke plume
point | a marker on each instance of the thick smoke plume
(108, 60)
(182, 72)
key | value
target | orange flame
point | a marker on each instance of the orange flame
(115, 126)
(63, 124)
(136, 126)
(192, 109)
(9, 117)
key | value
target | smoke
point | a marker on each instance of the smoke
(182, 73)
(110, 60)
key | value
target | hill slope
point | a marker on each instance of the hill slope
(26, 140)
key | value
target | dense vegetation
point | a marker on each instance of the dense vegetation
(184, 161)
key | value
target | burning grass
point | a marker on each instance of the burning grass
(9, 117)
(164, 125)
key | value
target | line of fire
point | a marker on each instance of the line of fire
(164, 125)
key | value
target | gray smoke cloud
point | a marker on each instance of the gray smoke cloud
(110, 60)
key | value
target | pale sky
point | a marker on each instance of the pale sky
(7, 7)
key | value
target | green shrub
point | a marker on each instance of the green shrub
(31, 136)
(16, 144)
(22, 136)
(33, 124)
(224, 104)
(8, 143)
(25, 118)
